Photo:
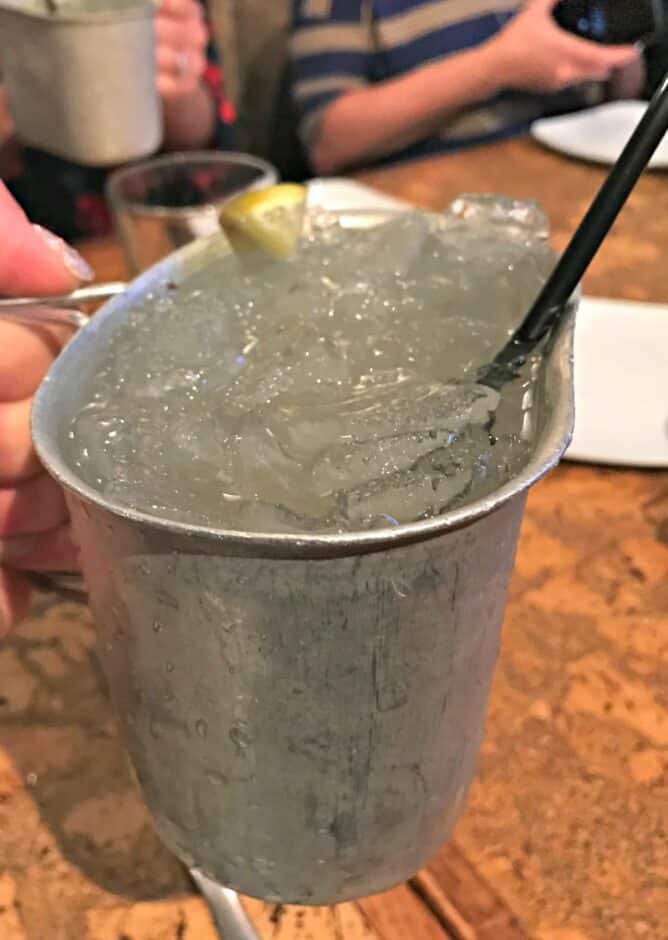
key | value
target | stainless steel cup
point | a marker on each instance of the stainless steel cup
(303, 713)
(81, 82)
(163, 204)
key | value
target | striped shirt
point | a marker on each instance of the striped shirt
(338, 46)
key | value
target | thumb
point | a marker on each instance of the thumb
(32, 260)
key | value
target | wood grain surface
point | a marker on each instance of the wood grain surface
(564, 836)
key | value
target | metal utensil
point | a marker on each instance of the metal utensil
(84, 295)
(33, 315)
(229, 916)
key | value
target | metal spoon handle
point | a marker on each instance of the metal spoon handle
(83, 295)
(230, 918)
(35, 315)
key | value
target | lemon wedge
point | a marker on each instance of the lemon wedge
(270, 219)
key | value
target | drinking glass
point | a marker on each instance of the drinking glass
(162, 204)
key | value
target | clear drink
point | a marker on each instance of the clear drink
(333, 392)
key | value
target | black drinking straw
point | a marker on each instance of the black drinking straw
(552, 302)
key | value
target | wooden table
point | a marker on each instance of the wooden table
(564, 835)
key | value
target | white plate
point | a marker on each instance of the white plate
(621, 360)
(336, 194)
(621, 383)
(597, 134)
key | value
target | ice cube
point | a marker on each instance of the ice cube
(333, 391)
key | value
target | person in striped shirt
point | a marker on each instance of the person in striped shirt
(395, 79)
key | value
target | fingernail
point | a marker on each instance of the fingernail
(72, 260)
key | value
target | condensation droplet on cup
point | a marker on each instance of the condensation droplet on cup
(169, 667)
(239, 737)
(157, 626)
(201, 727)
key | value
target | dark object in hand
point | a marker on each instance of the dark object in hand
(612, 22)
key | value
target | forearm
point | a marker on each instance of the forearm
(387, 117)
(189, 120)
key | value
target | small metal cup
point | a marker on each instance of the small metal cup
(303, 712)
(160, 205)
(82, 85)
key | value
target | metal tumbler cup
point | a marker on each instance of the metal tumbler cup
(303, 712)
(80, 78)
